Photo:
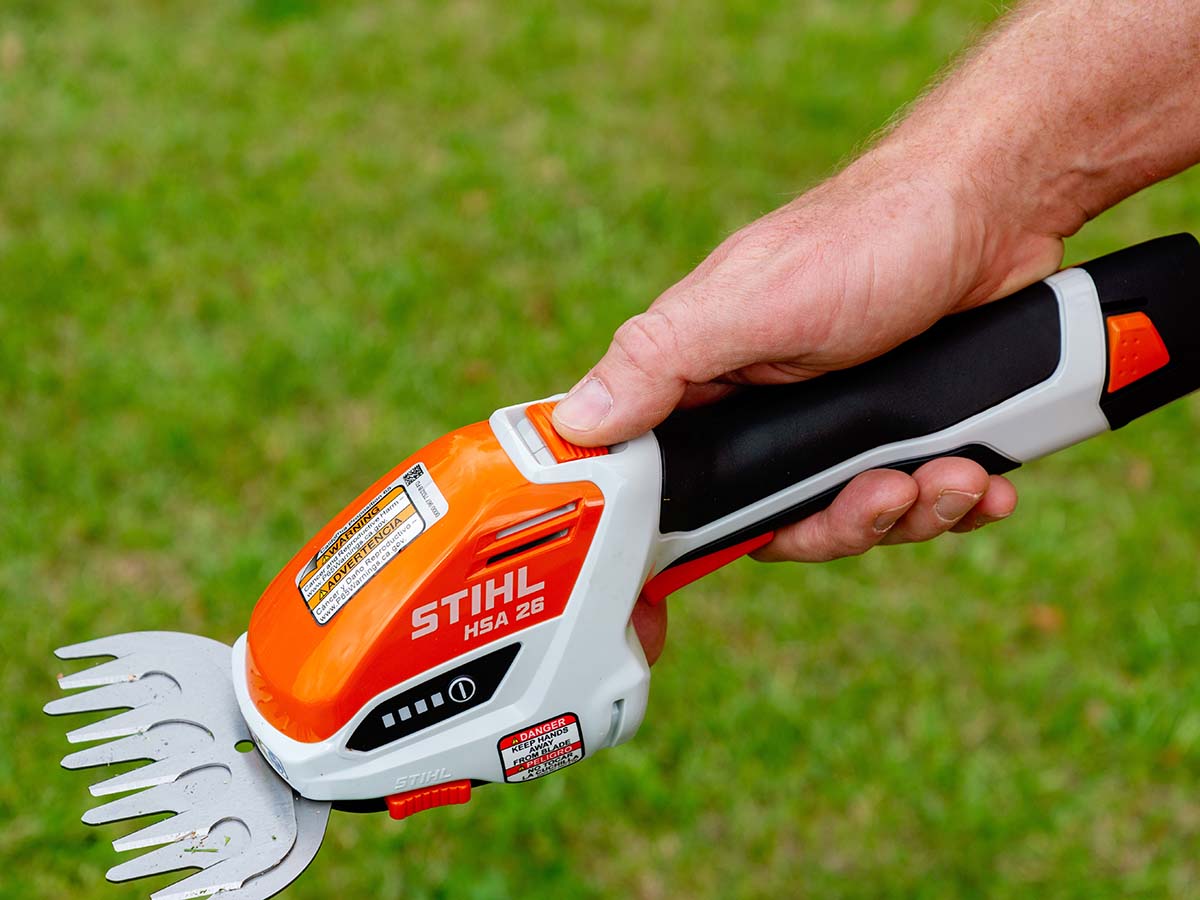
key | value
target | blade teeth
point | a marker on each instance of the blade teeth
(165, 859)
(181, 855)
(205, 887)
(114, 645)
(189, 825)
(121, 725)
(127, 749)
(203, 884)
(175, 739)
(237, 859)
(200, 799)
(229, 815)
(160, 772)
(170, 797)
(110, 696)
(111, 672)
(242, 877)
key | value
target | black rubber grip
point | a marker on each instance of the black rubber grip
(989, 459)
(1162, 279)
(720, 458)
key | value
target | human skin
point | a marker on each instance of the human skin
(1064, 109)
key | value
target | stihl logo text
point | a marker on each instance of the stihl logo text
(420, 779)
(483, 608)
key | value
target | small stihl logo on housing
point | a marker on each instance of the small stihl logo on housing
(483, 608)
(420, 779)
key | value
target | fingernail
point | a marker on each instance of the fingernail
(588, 404)
(889, 517)
(987, 520)
(953, 505)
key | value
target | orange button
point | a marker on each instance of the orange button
(1135, 349)
(564, 451)
(401, 806)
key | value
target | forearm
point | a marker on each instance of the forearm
(1065, 109)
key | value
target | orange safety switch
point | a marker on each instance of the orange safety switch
(563, 450)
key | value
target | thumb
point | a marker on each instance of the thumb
(638, 382)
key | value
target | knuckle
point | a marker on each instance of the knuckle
(745, 252)
(860, 541)
(855, 539)
(647, 343)
(835, 541)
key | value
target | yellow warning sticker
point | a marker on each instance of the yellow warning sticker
(372, 538)
(346, 535)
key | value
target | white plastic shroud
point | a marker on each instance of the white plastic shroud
(588, 660)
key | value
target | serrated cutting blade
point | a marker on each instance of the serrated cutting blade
(233, 817)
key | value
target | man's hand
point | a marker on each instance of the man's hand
(840, 275)
(1061, 112)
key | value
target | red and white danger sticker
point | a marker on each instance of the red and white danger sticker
(541, 749)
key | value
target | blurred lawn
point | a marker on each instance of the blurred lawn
(254, 253)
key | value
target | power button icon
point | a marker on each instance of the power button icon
(461, 689)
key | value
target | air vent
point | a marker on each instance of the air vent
(529, 534)
(537, 520)
(528, 545)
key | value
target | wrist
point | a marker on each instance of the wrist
(944, 194)
(997, 207)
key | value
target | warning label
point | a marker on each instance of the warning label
(369, 541)
(541, 749)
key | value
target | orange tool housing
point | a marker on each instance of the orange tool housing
(308, 680)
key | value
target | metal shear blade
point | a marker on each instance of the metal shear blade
(233, 817)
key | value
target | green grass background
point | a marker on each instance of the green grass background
(254, 253)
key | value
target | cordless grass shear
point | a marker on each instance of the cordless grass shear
(465, 620)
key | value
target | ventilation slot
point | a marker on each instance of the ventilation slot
(536, 520)
(529, 534)
(528, 545)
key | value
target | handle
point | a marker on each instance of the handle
(1087, 350)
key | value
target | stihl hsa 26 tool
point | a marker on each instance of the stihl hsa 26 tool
(465, 620)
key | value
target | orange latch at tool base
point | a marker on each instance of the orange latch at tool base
(401, 806)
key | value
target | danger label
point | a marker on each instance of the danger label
(541, 749)
(372, 538)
